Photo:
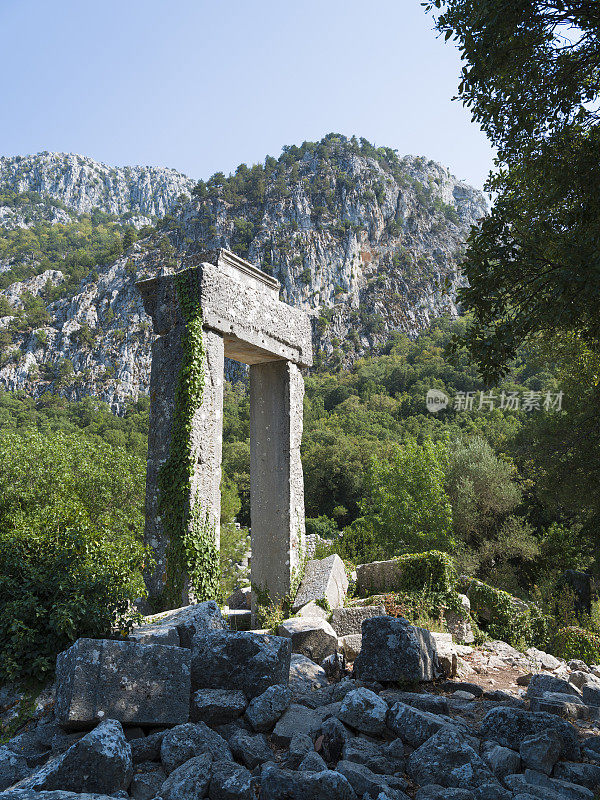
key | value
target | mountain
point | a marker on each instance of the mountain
(367, 242)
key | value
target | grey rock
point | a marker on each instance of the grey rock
(363, 780)
(522, 789)
(490, 791)
(502, 760)
(561, 788)
(386, 760)
(462, 686)
(300, 746)
(545, 659)
(412, 725)
(136, 684)
(436, 792)
(333, 735)
(313, 610)
(250, 749)
(277, 784)
(542, 751)
(591, 695)
(334, 665)
(32, 794)
(446, 759)
(323, 579)
(310, 637)
(542, 683)
(298, 719)
(217, 706)
(395, 650)
(341, 689)
(264, 710)
(188, 741)
(433, 703)
(240, 599)
(349, 620)
(312, 762)
(350, 645)
(305, 675)
(563, 705)
(510, 726)
(146, 782)
(241, 660)
(231, 782)
(378, 577)
(364, 710)
(189, 781)
(148, 748)
(13, 767)
(580, 773)
(99, 762)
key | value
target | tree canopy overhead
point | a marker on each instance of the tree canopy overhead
(531, 78)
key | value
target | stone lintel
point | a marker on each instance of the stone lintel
(256, 325)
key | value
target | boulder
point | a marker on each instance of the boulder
(501, 760)
(564, 705)
(217, 706)
(554, 786)
(99, 762)
(136, 684)
(148, 748)
(364, 711)
(412, 725)
(395, 650)
(312, 762)
(277, 783)
(434, 703)
(511, 726)
(312, 611)
(300, 745)
(436, 792)
(179, 625)
(147, 780)
(323, 579)
(541, 683)
(378, 577)
(583, 774)
(305, 676)
(384, 760)
(458, 623)
(298, 719)
(240, 599)
(447, 759)
(250, 662)
(250, 749)
(447, 656)
(591, 694)
(231, 781)
(13, 767)
(350, 645)
(347, 621)
(542, 751)
(188, 741)
(368, 783)
(190, 781)
(546, 660)
(266, 709)
(310, 637)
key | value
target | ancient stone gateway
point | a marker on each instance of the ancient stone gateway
(243, 319)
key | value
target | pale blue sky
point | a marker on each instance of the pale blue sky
(203, 86)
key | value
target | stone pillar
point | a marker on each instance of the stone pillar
(206, 439)
(276, 481)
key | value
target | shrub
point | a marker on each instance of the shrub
(433, 570)
(504, 617)
(70, 545)
(574, 642)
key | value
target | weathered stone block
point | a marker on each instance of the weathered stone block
(313, 638)
(178, 626)
(395, 650)
(305, 675)
(250, 662)
(378, 577)
(323, 579)
(100, 762)
(136, 684)
(217, 706)
(347, 621)
(350, 645)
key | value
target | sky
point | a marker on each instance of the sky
(204, 86)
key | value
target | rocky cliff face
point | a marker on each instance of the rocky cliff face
(366, 242)
(83, 184)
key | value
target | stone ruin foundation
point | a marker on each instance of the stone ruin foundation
(244, 320)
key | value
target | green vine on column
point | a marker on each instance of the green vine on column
(192, 548)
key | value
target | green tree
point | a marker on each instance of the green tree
(70, 545)
(406, 508)
(532, 79)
